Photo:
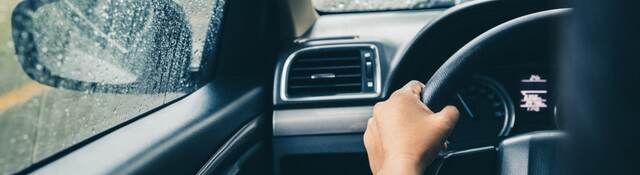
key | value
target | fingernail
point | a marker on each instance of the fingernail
(411, 84)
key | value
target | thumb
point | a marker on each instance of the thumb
(449, 116)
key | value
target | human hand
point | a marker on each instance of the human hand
(404, 135)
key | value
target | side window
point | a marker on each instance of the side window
(70, 69)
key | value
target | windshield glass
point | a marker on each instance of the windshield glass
(341, 6)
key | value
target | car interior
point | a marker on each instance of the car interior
(288, 89)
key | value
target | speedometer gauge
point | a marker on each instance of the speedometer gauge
(486, 112)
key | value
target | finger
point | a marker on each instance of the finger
(378, 149)
(378, 108)
(414, 87)
(370, 146)
(449, 117)
(367, 135)
(409, 92)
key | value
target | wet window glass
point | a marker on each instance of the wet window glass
(70, 69)
(341, 6)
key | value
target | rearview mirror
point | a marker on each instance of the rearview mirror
(141, 46)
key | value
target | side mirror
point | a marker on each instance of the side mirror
(140, 46)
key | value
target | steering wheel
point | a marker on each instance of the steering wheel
(515, 35)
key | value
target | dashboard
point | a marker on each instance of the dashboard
(502, 102)
(327, 82)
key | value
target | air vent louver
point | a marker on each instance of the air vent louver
(331, 71)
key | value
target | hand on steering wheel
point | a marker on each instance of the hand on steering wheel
(404, 135)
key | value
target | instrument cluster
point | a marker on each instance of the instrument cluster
(503, 102)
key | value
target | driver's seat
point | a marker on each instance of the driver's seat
(530, 154)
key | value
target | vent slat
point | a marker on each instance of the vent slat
(326, 86)
(328, 59)
(337, 76)
(335, 71)
(328, 68)
(343, 80)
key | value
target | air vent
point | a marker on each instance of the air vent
(331, 71)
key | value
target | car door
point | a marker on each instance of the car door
(157, 87)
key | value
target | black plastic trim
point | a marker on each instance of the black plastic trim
(278, 78)
(247, 136)
(321, 144)
(169, 140)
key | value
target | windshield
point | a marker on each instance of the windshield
(341, 6)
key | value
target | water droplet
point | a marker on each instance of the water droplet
(39, 67)
(10, 44)
(24, 35)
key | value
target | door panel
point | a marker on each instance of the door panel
(177, 139)
(244, 153)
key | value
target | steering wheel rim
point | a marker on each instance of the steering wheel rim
(445, 82)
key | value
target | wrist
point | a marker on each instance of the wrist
(402, 165)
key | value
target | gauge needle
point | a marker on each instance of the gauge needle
(464, 104)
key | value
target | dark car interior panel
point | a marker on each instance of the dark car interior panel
(291, 89)
(412, 46)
